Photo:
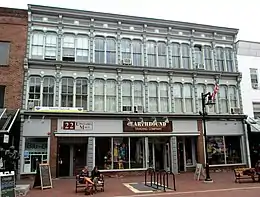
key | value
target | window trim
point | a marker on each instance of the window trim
(8, 49)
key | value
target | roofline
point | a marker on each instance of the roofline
(247, 41)
(13, 12)
(125, 18)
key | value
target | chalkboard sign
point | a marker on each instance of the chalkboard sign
(45, 175)
(7, 182)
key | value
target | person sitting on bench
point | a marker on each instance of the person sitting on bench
(83, 174)
(95, 176)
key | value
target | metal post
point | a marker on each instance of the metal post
(204, 114)
(167, 179)
(164, 182)
(151, 172)
(157, 180)
(145, 176)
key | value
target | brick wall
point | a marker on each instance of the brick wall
(53, 147)
(200, 143)
(13, 29)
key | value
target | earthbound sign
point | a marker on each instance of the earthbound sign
(135, 126)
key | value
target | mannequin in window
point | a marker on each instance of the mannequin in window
(115, 153)
(123, 152)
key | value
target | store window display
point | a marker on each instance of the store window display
(137, 159)
(224, 150)
(120, 153)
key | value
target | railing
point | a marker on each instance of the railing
(159, 179)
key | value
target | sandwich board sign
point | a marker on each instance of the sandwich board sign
(7, 183)
(199, 171)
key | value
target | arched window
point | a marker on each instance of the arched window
(35, 87)
(164, 97)
(37, 45)
(229, 59)
(138, 93)
(220, 58)
(223, 99)
(126, 48)
(68, 49)
(111, 101)
(153, 96)
(99, 50)
(82, 51)
(99, 95)
(82, 93)
(178, 98)
(208, 57)
(188, 97)
(162, 54)
(67, 87)
(176, 56)
(151, 54)
(50, 47)
(232, 90)
(185, 56)
(48, 92)
(110, 51)
(127, 95)
(137, 53)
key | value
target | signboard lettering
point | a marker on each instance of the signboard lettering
(77, 125)
(7, 183)
(135, 126)
(199, 171)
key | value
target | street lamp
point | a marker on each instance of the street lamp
(206, 99)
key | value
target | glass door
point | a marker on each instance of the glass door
(151, 155)
(167, 158)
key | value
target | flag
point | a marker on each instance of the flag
(215, 91)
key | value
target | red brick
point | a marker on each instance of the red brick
(13, 28)
(200, 143)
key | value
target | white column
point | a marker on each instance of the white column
(146, 152)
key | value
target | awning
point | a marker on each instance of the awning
(255, 124)
(7, 119)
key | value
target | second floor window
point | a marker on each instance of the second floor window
(176, 56)
(127, 95)
(208, 58)
(185, 56)
(153, 96)
(220, 58)
(232, 90)
(81, 93)
(164, 97)
(138, 93)
(67, 86)
(151, 54)
(48, 91)
(229, 59)
(201, 88)
(137, 53)
(254, 77)
(188, 97)
(68, 52)
(99, 95)
(162, 54)
(223, 97)
(111, 90)
(178, 98)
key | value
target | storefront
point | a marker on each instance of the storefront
(35, 144)
(126, 145)
(226, 143)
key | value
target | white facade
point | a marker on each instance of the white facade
(249, 65)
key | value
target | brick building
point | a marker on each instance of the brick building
(13, 36)
(124, 93)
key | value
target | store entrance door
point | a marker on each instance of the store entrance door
(64, 160)
(79, 159)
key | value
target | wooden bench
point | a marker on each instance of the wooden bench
(78, 184)
(88, 188)
(245, 173)
(100, 184)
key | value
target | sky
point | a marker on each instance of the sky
(243, 15)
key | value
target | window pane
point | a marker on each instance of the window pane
(137, 53)
(127, 93)
(111, 51)
(176, 55)
(138, 93)
(216, 150)
(34, 87)
(188, 97)
(200, 89)
(137, 152)
(82, 93)
(48, 92)
(99, 87)
(67, 92)
(35, 149)
(151, 54)
(198, 54)
(120, 153)
(178, 97)
(99, 50)
(153, 96)
(162, 55)
(111, 102)
(208, 57)
(164, 97)
(229, 60)
(220, 59)
(185, 56)
(223, 99)
(103, 153)
(233, 96)
(233, 149)
(126, 48)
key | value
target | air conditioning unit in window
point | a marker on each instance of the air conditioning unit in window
(255, 85)
(200, 66)
(127, 108)
(127, 61)
(138, 109)
(33, 103)
(235, 110)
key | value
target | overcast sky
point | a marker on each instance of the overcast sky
(244, 14)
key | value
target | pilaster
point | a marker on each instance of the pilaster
(91, 88)
(118, 34)
(169, 53)
(146, 91)
(144, 46)
(240, 104)
(174, 154)
(59, 41)
(192, 59)
(58, 77)
(235, 58)
(214, 56)
(196, 94)
(119, 90)
(172, 92)
(219, 107)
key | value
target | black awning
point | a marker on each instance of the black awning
(7, 119)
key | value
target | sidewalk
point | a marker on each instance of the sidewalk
(184, 183)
